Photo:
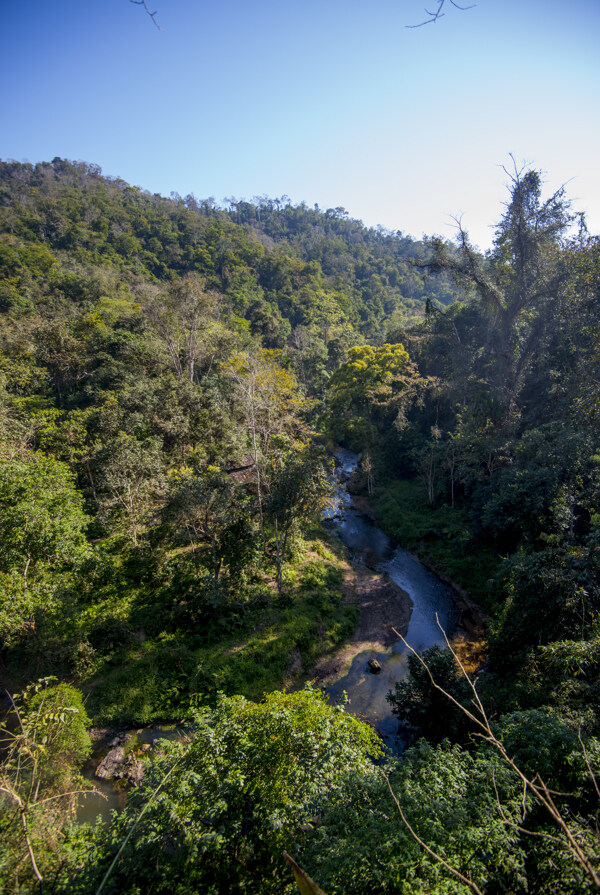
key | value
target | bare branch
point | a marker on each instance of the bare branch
(438, 13)
(73, 792)
(537, 787)
(16, 711)
(449, 696)
(34, 865)
(473, 886)
(515, 826)
(147, 9)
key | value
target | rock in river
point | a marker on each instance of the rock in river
(111, 763)
(119, 766)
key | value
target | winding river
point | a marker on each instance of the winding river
(366, 692)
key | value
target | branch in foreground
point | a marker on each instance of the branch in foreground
(147, 9)
(536, 787)
(305, 884)
(463, 879)
(438, 13)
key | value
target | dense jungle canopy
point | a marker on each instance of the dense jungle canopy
(173, 377)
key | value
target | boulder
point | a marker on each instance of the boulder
(374, 666)
(111, 764)
(133, 770)
(119, 766)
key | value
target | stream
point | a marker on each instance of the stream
(111, 795)
(366, 691)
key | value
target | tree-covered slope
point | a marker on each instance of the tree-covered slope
(169, 371)
(269, 259)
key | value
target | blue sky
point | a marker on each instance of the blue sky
(332, 102)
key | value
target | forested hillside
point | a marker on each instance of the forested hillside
(280, 266)
(172, 374)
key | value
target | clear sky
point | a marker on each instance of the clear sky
(329, 101)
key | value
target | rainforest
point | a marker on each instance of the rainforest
(180, 382)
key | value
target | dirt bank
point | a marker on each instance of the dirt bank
(472, 621)
(383, 605)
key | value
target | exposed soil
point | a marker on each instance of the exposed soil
(471, 649)
(383, 606)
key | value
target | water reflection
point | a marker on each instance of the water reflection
(111, 795)
(370, 545)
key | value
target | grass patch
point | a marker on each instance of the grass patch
(161, 678)
(441, 535)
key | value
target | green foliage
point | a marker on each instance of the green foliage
(443, 536)
(362, 845)
(305, 884)
(373, 382)
(42, 517)
(323, 268)
(243, 788)
(162, 364)
(541, 743)
(150, 642)
(207, 510)
(417, 702)
(129, 481)
(41, 538)
(43, 744)
(551, 592)
(53, 716)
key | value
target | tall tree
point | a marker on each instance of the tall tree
(518, 286)
(374, 382)
(270, 400)
(42, 535)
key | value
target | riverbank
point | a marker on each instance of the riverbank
(441, 536)
(470, 637)
(382, 606)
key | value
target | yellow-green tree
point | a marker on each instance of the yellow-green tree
(373, 383)
(269, 399)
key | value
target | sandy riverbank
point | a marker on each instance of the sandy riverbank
(383, 606)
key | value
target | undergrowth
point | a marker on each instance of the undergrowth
(441, 535)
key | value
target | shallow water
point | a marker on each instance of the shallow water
(111, 795)
(369, 545)
(366, 692)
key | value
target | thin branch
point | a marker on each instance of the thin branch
(589, 767)
(16, 711)
(538, 789)
(437, 13)
(136, 822)
(23, 814)
(147, 9)
(449, 696)
(38, 875)
(473, 886)
(516, 826)
(73, 792)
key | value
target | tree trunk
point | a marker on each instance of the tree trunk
(278, 555)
